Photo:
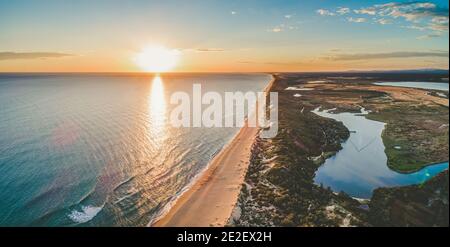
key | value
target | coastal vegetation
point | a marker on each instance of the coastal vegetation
(279, 188)
(415, 205)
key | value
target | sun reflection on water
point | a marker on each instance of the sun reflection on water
(157, 108)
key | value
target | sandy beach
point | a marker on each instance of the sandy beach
(210, 201)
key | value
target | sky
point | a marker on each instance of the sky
(224, 36)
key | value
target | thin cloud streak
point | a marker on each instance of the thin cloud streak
(356, 20)
(370, 56)
(32, 55)
(429, 36)
(210, 50)
(273, 63)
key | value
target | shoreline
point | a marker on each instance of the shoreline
(211, 198)
(418, 169)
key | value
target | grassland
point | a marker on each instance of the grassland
(415, 135)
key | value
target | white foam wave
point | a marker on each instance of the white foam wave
(86, 214)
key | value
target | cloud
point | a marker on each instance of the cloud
(200, 50)
(428, 14)
(325, 12)
(276, 30)
(383, 21)
(440, 19)
(357, 20)
(233, 12)
(367, 11)
(430, 36)
(438, 27)
(370, 56)
(274, 63)
(420, 15)
(343, 10)
(411, 11)
(209, 49)
(32, 55)
(416, 27)
(283, 27)
(288, 16)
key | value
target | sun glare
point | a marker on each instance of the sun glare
(157, 59)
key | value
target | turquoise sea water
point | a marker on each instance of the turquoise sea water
(96, 149)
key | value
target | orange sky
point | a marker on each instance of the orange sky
(224, 36)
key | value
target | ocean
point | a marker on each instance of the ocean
(97, 149)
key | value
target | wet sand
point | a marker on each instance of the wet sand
(210, 201)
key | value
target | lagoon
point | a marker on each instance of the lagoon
(361, 165)
(423, 85)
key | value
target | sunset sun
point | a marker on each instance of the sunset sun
(157, 59)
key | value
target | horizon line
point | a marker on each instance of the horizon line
(220, 72)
